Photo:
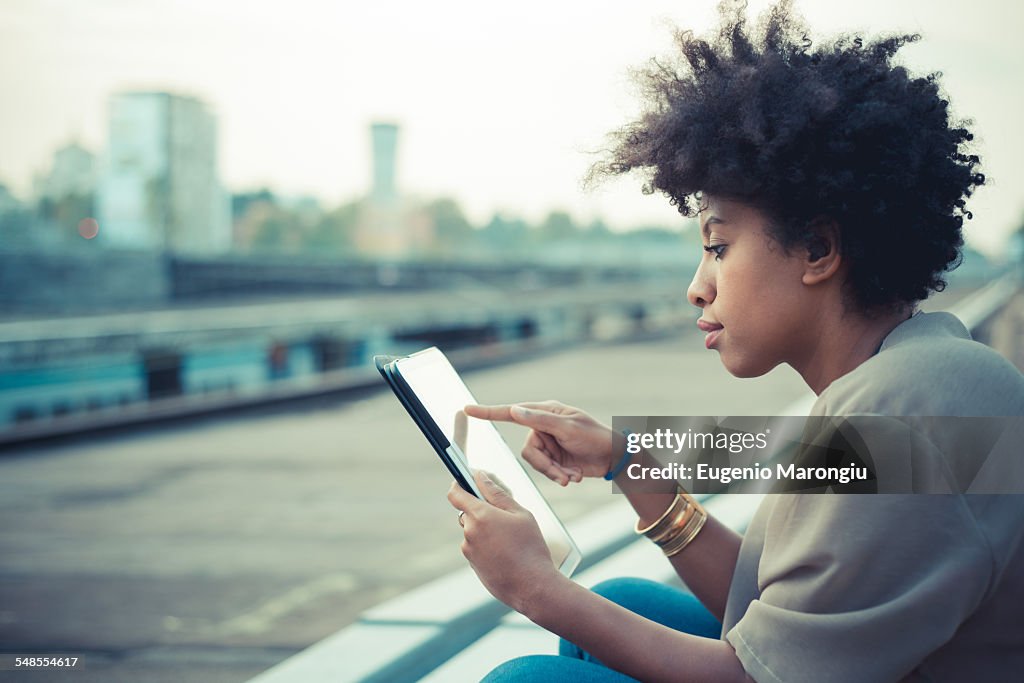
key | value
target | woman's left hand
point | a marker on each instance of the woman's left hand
(503, 544)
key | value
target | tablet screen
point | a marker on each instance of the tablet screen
(443, 394)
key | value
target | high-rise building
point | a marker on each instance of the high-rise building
(385, 142)
(159, 187)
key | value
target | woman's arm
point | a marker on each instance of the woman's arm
(507, 551)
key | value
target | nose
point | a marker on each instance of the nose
(701, 291)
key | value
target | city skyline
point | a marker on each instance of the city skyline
(498, 106)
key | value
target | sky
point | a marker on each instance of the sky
(501, 105)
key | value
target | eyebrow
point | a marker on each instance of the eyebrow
(709, 221)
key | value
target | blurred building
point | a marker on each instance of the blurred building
(8, 202)
(14, 221)
(73, 173)
(159, 188)
(64, 195)
(388, 225)
(248, 210)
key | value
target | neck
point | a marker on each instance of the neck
(843, 342)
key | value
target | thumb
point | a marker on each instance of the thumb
(461, 499)
(494, 493)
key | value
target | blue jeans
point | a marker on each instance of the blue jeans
(672, 607)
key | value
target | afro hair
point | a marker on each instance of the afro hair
(808, 131)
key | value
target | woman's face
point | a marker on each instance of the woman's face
(755, 307)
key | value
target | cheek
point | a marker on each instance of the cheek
(749, 301)
(762, 288)
(761, 316)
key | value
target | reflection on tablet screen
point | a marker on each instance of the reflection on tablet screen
(459, 431)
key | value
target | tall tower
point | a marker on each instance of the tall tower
(388, 227)
(385, 143)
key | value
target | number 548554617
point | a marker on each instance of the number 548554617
(20, 662)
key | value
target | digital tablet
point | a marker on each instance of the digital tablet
(434, 395)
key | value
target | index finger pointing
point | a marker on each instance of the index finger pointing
(539, 416)
(498, 413)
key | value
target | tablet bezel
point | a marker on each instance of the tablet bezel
(447, 451)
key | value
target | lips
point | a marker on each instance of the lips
(713, 331)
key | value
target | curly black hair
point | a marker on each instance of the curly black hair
(807, 132)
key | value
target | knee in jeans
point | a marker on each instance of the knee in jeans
(503, 673)
(528, 669)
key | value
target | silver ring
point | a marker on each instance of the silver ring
(462, 523)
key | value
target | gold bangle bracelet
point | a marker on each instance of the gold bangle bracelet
(687, 539)
(673, 529)
(681, 530)
(659, 524)
(691, 500)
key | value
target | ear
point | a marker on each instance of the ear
(823, 255)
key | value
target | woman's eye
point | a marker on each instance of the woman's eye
(716, 249)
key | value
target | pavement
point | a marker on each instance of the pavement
(212, 549)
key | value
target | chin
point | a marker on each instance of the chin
(746, 367)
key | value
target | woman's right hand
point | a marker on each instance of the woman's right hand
(565, 443)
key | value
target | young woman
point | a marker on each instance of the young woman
(830, 187)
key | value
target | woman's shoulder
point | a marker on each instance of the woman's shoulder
(929, 365)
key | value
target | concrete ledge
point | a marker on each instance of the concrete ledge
(449, 621)
(352, 654)
(435, 621)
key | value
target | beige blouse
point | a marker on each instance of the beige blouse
(891, 587)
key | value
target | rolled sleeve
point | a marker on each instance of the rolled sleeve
(860, 587)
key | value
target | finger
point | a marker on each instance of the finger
(571, 473)
(499, 483)
(541, 416)
(538, 452)
(548, 444)
(542, 444)
(543, 464)
(495, 413)
(460, 430)
(495, 494)
(461, 499)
